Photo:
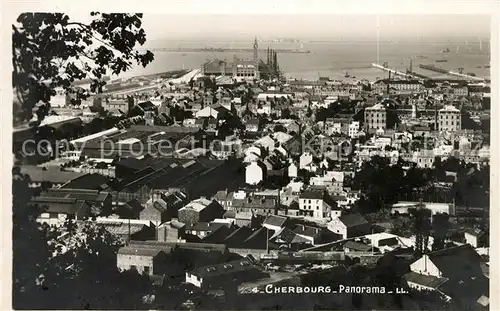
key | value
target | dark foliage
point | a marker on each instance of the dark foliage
(50, 51)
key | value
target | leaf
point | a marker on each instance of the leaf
(51, 51)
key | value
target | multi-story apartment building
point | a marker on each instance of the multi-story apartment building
(376, 117)
(449, 119)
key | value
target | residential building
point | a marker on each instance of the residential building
(274, 222)
(255, 173)
(200, 210)
(476, 238)
(224, 274)
(144, 260)
(203, 229)
(162, 207)
(455, 272)
(99, 201)
(171, 231)
(252, 125)
(404, 86)
(128, 229)
(449, 119)
(315, 204)
(349, 225)
(376, 117)
(56, 210)
(354, 128)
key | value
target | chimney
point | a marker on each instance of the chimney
(435, 116)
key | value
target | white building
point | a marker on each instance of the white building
(255, 173)
(354, 129)
(306, 162)
(449, 119)
(315, 204)
(376, 117)
(292, 170)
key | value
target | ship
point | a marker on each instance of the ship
(446, 50)
(346, 75)
(441, 61)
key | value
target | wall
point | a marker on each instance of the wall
(425, 266)
(125, 261)
(150, 213)
(189, 216)
(254, 174)
(193, 279)
(245, 251)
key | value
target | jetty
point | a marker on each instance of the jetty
(232, 50)
(449, 72)
(393, 71)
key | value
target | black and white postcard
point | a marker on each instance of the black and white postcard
(250, 155)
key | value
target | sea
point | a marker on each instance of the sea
(332, 58)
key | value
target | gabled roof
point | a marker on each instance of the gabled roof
(307, 230)
(206, 226)
(475, 232)
(274, 220)
(219, 235)
(147, 106)
(88, 181)
(224, 268)
(357, 246)
(134, 204)
(137, 250)
(70, 206)
(123, 228)
(312, 194)
(79, 194)
(425, 280)
(51, 174)
(459, 261)
(237, 237)
(353, 219)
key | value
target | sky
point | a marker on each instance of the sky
(310, 27)
(316, 26)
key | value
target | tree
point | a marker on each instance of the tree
(421, 228)
(440, 227)
(51, 52)
(29, 245)
(285, 113)
(67, 267)
(279, 128)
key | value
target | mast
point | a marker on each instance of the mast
(378, 39)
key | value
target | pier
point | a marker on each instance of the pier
(395, 72)
(232, 50)
(449, 72)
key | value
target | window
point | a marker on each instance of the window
(146, 269)
(133, 267)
